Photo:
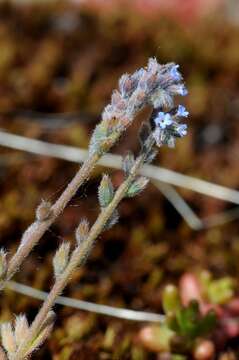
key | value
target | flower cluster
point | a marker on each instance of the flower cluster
(167, 126)
(154, 85)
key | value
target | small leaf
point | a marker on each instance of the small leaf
(98, 137)
(190, 324)
(41, 338)
(21, 328)
(221, 291)
(44, 333)
(82, 231)
(128, 162)
(8, 339)
(137, 186)
(50, 318)
(147, 142)
(205, 278)
(112, 220)
(188, 319)
(104, 136)
(105, 191)
(207, 323)
(148, 147)
(170, 299)
(61, 258)
(151, 156)
(44, 211)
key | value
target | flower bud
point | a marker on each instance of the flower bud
(189, 289)
(118, 103)
(126, 85)
(61, 258)
(153, 66)
(44, 211)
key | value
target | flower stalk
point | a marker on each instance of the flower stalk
(78, 257)
(37, 229)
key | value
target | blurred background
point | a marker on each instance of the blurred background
(59, 62)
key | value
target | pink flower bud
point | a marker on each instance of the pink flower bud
(204, 350)
(189, 288)
(116, 98)
(230, 327)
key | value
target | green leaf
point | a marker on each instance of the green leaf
(98, 138)
(188, 319)
(170, 299)
(207, 323)
(105, 191)
(137, 186)
(220, 291)
(112, 220)
(127, 163)
(61, 258)
(190, 324)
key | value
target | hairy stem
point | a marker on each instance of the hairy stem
(36, 230)
(77, 259)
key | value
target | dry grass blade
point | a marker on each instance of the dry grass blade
(121, 313)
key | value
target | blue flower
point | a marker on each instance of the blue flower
(177, 89)
(182, 112)
(182, 130)
(182, 90)
(175, 74)
(163, 120)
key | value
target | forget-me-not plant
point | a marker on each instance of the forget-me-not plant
(155, 85)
